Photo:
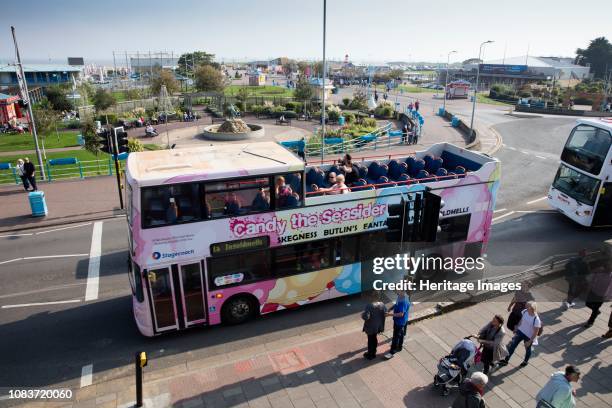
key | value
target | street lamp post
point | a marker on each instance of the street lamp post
(323, 84)
(476, 87)
(446, 78)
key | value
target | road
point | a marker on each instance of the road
(51, 342)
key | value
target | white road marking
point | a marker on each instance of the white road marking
(535, 201)
(536, 211)
(49, 289)
(28, 258)
(86, 375)
(58, 302)
(502, 216)
(14, 235)
(541, 157)
(510, 147)
(524, 152)
(63, 228)
(93, 272)
(500, 210)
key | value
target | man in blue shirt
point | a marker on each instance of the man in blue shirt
(400, 321)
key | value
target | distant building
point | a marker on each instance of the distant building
(146, 63)
(518, 71)
(40, 75)
(257, 78)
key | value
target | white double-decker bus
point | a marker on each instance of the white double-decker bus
(582, 188)
(225, 233)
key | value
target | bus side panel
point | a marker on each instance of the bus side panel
(142, 314)
(292, 291)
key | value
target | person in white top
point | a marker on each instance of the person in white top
(526, 331)
(22, 174)
(338, 188)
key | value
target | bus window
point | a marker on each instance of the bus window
(344, 250)
(167, 205)
(239, 269)
(587, 148)
(237, 197)
(288, 190)
(454, 229)
(295, 259)
(576, 185)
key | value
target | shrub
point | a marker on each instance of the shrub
(346, 102)
(135, 145)
(369, 122)
(333, 112)
(289, 114)
(112, 118)
(293, 106)
(384, 110)
(241, 106)
(349, 117)
(73, 124)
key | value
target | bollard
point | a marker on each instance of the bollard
(80, 169)
(141, 361)
(49, 178)
(17, 179)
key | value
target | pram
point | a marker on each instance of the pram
(453, 368)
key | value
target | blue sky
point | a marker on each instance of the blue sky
(380, 30)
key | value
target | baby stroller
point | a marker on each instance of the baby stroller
(453, 368)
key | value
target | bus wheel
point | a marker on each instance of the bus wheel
(238, 310)
(436, 271)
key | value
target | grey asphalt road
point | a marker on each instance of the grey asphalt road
(51, 343)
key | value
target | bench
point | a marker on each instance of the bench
(283, 122)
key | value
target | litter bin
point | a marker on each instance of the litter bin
(455, 121)
(38, 203)
(341, 121)
(441, 111)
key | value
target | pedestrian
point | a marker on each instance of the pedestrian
(22, 174)
(385, 96)
(416, 106)
(600, 292)
(375, 96)
(471, 391)
(491, 337)
(411, 132)
(576, 272)
(30, 172)
(527, 331)
(405, 133)
(608, 334)
(558, 392)
(410, 106)
(518, 304)
(400, 321)
(373, 323)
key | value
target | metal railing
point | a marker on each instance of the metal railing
(65, 168)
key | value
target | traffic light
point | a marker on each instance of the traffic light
(430, 219)
(105, 142)
(398, 228)
(122, 140)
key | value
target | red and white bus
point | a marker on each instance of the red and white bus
(224, 233)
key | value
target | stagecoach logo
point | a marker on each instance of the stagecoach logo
(171, 255)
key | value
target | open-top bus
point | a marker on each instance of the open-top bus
(582, 189)
(223, 233)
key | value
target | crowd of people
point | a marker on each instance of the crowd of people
(591, 282)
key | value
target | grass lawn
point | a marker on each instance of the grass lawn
(24, 141)
(81, 155)
(267, 90)
(119, 96)
(409, 88)
(152, 146)
(485, 99)
(69, 170)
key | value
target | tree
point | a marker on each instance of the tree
(317, 69)
(209, 79)
(289, 67)
(86, 90)
(188, 63)
(303, 90)
(57, 98)
(396, 73)
(91, 139)
(360, 100)
(45, 117)
(164, 77)
(103, 100)
(302, 66)
(132, 94)
(598, 54)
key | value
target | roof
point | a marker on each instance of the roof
(211, 162)
(539, 62)
(42, 68)
(604, 123)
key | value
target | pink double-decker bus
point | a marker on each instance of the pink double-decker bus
(225, 233)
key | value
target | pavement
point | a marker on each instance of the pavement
(325, 368)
